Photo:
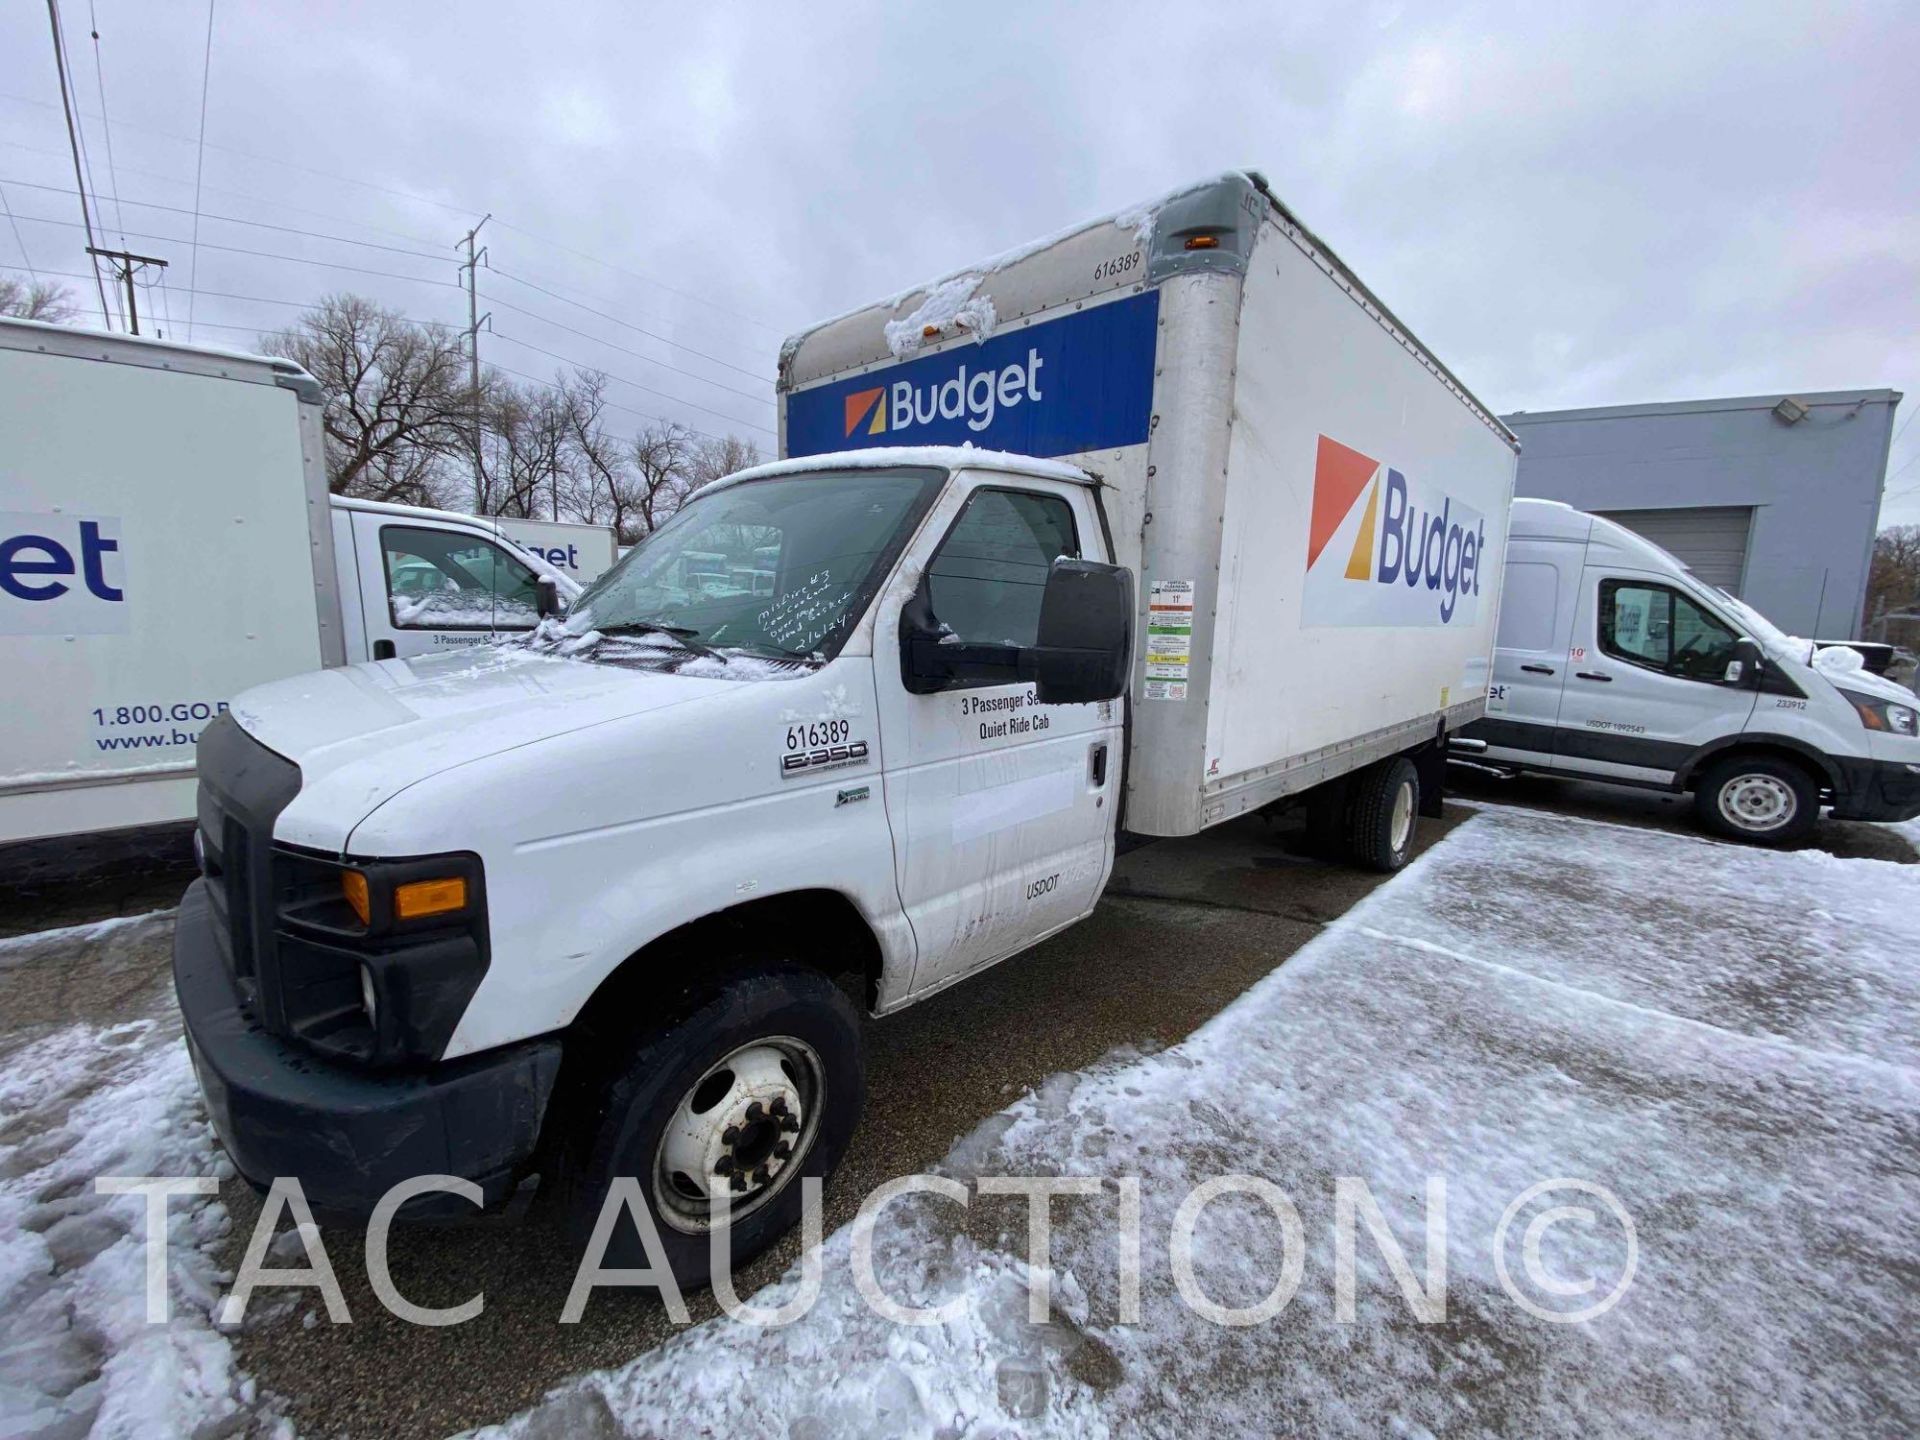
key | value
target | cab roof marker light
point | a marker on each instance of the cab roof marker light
(1203, 242)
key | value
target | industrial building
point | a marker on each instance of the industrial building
(1774, 497)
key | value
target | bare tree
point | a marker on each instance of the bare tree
(1893, 584)
(399, 407)
(661, 454)
(713, 458)
(528, 436)
(40, 300)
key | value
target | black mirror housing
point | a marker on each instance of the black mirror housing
(1085, 641)
(1747, 664)
(546, 596)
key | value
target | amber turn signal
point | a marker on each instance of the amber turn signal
(1203, 242)
(418, 899)
(354, 886)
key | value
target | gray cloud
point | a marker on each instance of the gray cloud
(1572, 205)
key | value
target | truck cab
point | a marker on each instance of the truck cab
(713, 813)
(1614, 662)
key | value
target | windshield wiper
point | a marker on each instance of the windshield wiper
(679, 633)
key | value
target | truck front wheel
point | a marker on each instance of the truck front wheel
(1757, 798)
(1383, 802)
(756, 1084)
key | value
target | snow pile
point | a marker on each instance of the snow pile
(952, 304)
(1838, 661)
(77, 1355)
(1723, 1039)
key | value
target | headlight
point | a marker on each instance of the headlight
(1887, 716)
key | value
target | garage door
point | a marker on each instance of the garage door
(1710, 540)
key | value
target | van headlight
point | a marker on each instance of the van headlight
(1889, 717)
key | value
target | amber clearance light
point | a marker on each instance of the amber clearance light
(418, 899)
(354, 886)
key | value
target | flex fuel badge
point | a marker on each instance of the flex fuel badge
(1169, 639)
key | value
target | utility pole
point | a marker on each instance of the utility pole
(126, 265)
(470, 269)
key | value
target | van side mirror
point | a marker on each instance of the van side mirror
(546, 596)
(1084, 641)
(1745, 666)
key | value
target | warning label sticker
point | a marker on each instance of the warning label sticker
(1169, 639)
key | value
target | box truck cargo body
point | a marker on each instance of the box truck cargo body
(167, 541)
(1167, 516)
(1314, 507)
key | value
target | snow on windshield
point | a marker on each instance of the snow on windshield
(442, 609)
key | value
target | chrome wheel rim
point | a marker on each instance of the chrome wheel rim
(740, 1133)
(1757, 803)
(1402, 816)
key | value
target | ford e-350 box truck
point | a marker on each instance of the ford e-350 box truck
(167, 541)
(1144, 527)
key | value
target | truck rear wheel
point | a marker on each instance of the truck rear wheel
(755, 1085)
(1383, 803)
(1757, 798)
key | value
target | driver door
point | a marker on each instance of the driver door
(1001, 807)
(1645, 684)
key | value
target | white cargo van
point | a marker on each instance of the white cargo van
(166, 541)
(875, 715)
(1616, 663)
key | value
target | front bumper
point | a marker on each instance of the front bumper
(350, 1135)
(1877, 790)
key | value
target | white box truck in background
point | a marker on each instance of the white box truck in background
(167, 541)
(858, 723)
(579, 552)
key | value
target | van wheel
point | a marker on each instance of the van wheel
(755, 1085)
(1383, 803)
(1758, 799)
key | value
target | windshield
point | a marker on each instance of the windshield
(781, 567)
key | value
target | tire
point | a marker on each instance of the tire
(1383, 808)
(1758, 799)
(688, 1076)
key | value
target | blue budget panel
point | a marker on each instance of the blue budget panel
(1081, 382)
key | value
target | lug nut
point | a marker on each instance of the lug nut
(730, 1135)
(739, 1182)
(789, 1124)
(782, 1150)
(723, 1166)
(760, 1176)
(779, 1106)
(756, 1111)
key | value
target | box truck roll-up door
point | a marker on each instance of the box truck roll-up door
(1710, 540)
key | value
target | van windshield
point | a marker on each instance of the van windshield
(781, 568)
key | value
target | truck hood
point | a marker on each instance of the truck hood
(362, 734)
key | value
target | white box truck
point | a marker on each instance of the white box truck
(579, 552)
(167, 541)
(858, 723)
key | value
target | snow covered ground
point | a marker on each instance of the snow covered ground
(1724, 1039)
(77, 1355)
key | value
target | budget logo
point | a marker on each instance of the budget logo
(61, 574)
(1384, 550)
(865, 413)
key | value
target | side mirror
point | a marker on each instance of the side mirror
(1745, 666)
(1086, 633)
(1084, 641)
(546, 597)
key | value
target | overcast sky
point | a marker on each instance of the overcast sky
(1626, 204)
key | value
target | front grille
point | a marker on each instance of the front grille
(243, 788)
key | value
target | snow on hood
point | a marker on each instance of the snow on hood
(362, 734)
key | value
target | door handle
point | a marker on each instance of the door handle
(383, 649)
(1590, 675)
(1099, 766)
(1538, 669)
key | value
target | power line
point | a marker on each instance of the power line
(664, 395)
(535, 315)
(106, 125)
(73, 141)
(262, 254)
(199, 167)
(251, 299)
(257, 224)
(627, 324)
(18, 239)
(610, 404)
